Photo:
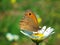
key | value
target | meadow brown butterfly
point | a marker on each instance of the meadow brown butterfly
(29, 22)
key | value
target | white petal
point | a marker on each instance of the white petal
(52, 32)
(42, 30)
(48, 31)
(35, 32)
(25, 34)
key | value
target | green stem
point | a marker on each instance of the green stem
(37, 43)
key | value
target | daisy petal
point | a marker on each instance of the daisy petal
(42, 30)
(52, 32)
(25, 34)
(48, 31)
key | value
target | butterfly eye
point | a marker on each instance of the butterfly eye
(29, 13)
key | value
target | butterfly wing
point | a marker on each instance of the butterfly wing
(29, 22)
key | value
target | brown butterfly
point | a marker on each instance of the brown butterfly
(29, 22)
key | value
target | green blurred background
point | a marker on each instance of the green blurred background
(11, 12)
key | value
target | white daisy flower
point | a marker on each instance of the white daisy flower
(16, 37)
(9, 36)
(40, 34)
(12, 37)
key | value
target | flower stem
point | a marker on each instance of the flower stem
(37, 43)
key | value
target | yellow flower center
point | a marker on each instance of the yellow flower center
(38, 34)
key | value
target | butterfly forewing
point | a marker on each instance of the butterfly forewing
(28, 22)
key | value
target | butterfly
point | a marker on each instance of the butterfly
(29, 22)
